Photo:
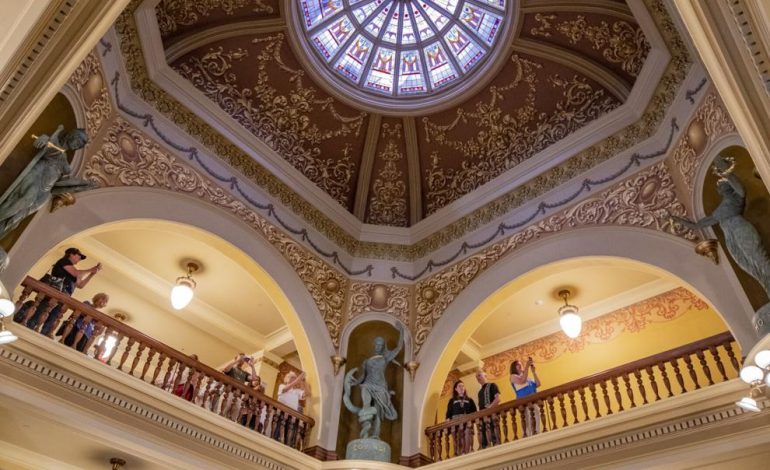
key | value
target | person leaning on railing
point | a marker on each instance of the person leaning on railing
(523, 386)
(460, 405)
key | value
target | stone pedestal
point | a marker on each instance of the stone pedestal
(368, 449)
(761, 320)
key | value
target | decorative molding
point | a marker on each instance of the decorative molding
(372, 297)
(140, 410)
(173, 13)
(388, 204)
(752, 37)
(646, 200)
(319, 453)
(129, 158)
(414, 461)
(631, 319)
(88, 79)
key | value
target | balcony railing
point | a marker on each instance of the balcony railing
(651, 379)
(158, 364)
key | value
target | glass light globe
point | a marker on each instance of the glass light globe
(762, 359)
(748, 403)
(7, 337)
(571, 324)
(181, 295)
(7, 308)
(767, 380)
(751, 374)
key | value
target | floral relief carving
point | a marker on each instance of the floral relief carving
(387, 206)
(89, 82)
(453, 376)
(646, 200)
(710, 122)
(620, 43)
(505, 139)
(634, 318)
(173, 13)
(283, 121)
(128, 158)
(372, 297)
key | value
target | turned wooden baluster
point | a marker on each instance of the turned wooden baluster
(170, 369)
(618, 398)
(25, 292)
(552, 410)
(488, 432)
(542, 405)
(563, 410)
(69, 324)
(573, 407)
(583, 404)
(629, 390)
(679, 378)
(150, 356)
(81, 331)
(158, 368)
(704, 365)
(180, 370)
(57, 321)
(137, 356)
(640, 385)
(653, 382)
(594, 400)
(228, 401)
(98, 330)
(504, 423)
(447, 442)
(126, 352)
(44, 314)
(718, 361)
(606, 395)
(431, 446)
(666, 382)
(514, 424)
(691, 370)
(197, 387)
(729, 348)
(32, 308)
(114, 351)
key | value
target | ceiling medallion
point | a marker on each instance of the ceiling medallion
(397, 56)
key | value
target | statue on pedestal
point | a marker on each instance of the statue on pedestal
(45, 176)
(741, 238)
(376, 405)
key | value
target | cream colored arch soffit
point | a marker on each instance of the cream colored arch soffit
(170, 81)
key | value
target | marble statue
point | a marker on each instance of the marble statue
(741, 238)
(45, 176)
(376, 404)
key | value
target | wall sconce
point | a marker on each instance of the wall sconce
(182, 293)
(412, 366)
(337, 362)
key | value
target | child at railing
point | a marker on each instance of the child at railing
(523, 386)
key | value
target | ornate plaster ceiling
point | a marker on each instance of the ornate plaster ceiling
(564, 65)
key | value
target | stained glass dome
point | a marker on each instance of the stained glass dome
(403, 48)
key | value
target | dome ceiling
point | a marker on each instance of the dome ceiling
(561, 66)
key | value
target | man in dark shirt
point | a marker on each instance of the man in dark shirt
(234, 370)
(489, 396)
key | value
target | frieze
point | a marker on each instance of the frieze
(373, 297)
(128, 158)
(646, 200)
(88, 80)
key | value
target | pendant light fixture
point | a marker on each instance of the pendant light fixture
(183, 291)
(570, 321)
(7, 308)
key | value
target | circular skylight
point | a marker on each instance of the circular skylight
(403, 48)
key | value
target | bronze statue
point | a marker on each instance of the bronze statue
(45, 176)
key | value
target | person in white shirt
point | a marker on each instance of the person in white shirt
(290, 392)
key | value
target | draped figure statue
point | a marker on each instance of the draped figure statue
(46, 175)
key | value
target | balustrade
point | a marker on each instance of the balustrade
(629, 386)
(153, 362)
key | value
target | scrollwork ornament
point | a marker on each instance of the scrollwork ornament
(388, 298)
(88, 80)
(173, 13)
(387, 206)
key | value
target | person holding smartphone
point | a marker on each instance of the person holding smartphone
(523, 386)
(235, 370)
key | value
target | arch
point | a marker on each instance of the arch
(102, 206)
(657, 249)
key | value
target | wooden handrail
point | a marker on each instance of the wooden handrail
(53, 297)
(579, 393)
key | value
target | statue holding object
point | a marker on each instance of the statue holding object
(48, 174)
(741, 238)
(376, 404)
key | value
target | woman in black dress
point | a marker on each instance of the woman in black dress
(460, 405)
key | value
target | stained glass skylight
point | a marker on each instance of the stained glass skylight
(403, 47)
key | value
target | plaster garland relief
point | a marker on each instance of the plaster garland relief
(645, 200)
(88, 81)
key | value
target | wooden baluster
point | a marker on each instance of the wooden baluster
(514, 424)
(79, 334)
(488, 433)
(640, 384)
(302, 436)
(431, 446)
(618, 398)
(679, 378)
(552, 410)
(114, 351)
(606, 395)
(225, 401)
(704, 365)
(447, 442)
(666, 382)
(25, 292)
(150, 356)
(169, 370)
(180, 371)
(691, 370)
(563, 410)
(473, 435)
(573, 407)
(69, 324)
(653, 382)
(595, 400)
(583, 404)
(158, 368)
(629, 390)
(126, 352)
(57, 321)
(98, 330)
(137, 356)
(32, 308)
(197, 387)
(504, 423)
(52, 303)
(542, 405)
(718, 361)
(207, 393)
(729, 348)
